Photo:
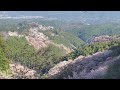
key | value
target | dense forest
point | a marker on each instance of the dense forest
(65, 38)
(20, 51)
(12, 24)
(4, 62)
(87, 32)
(75, 36)
(96, 47)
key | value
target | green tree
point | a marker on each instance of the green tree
(4, 62)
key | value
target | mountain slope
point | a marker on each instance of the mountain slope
(100, 65)
(31, 49)
(65, 38)
(88, 32)
(82, 67)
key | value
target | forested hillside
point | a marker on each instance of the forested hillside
(19, 50)
(13, 24)
(87, 32)
(100, 65)
(65, 38)
(84, 46)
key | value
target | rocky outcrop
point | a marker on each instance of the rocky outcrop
(58, 68)
(93, 66)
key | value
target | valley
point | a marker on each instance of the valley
(82, 46)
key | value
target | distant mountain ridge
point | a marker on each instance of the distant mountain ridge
(67, 15)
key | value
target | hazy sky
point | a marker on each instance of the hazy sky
(66, 14)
